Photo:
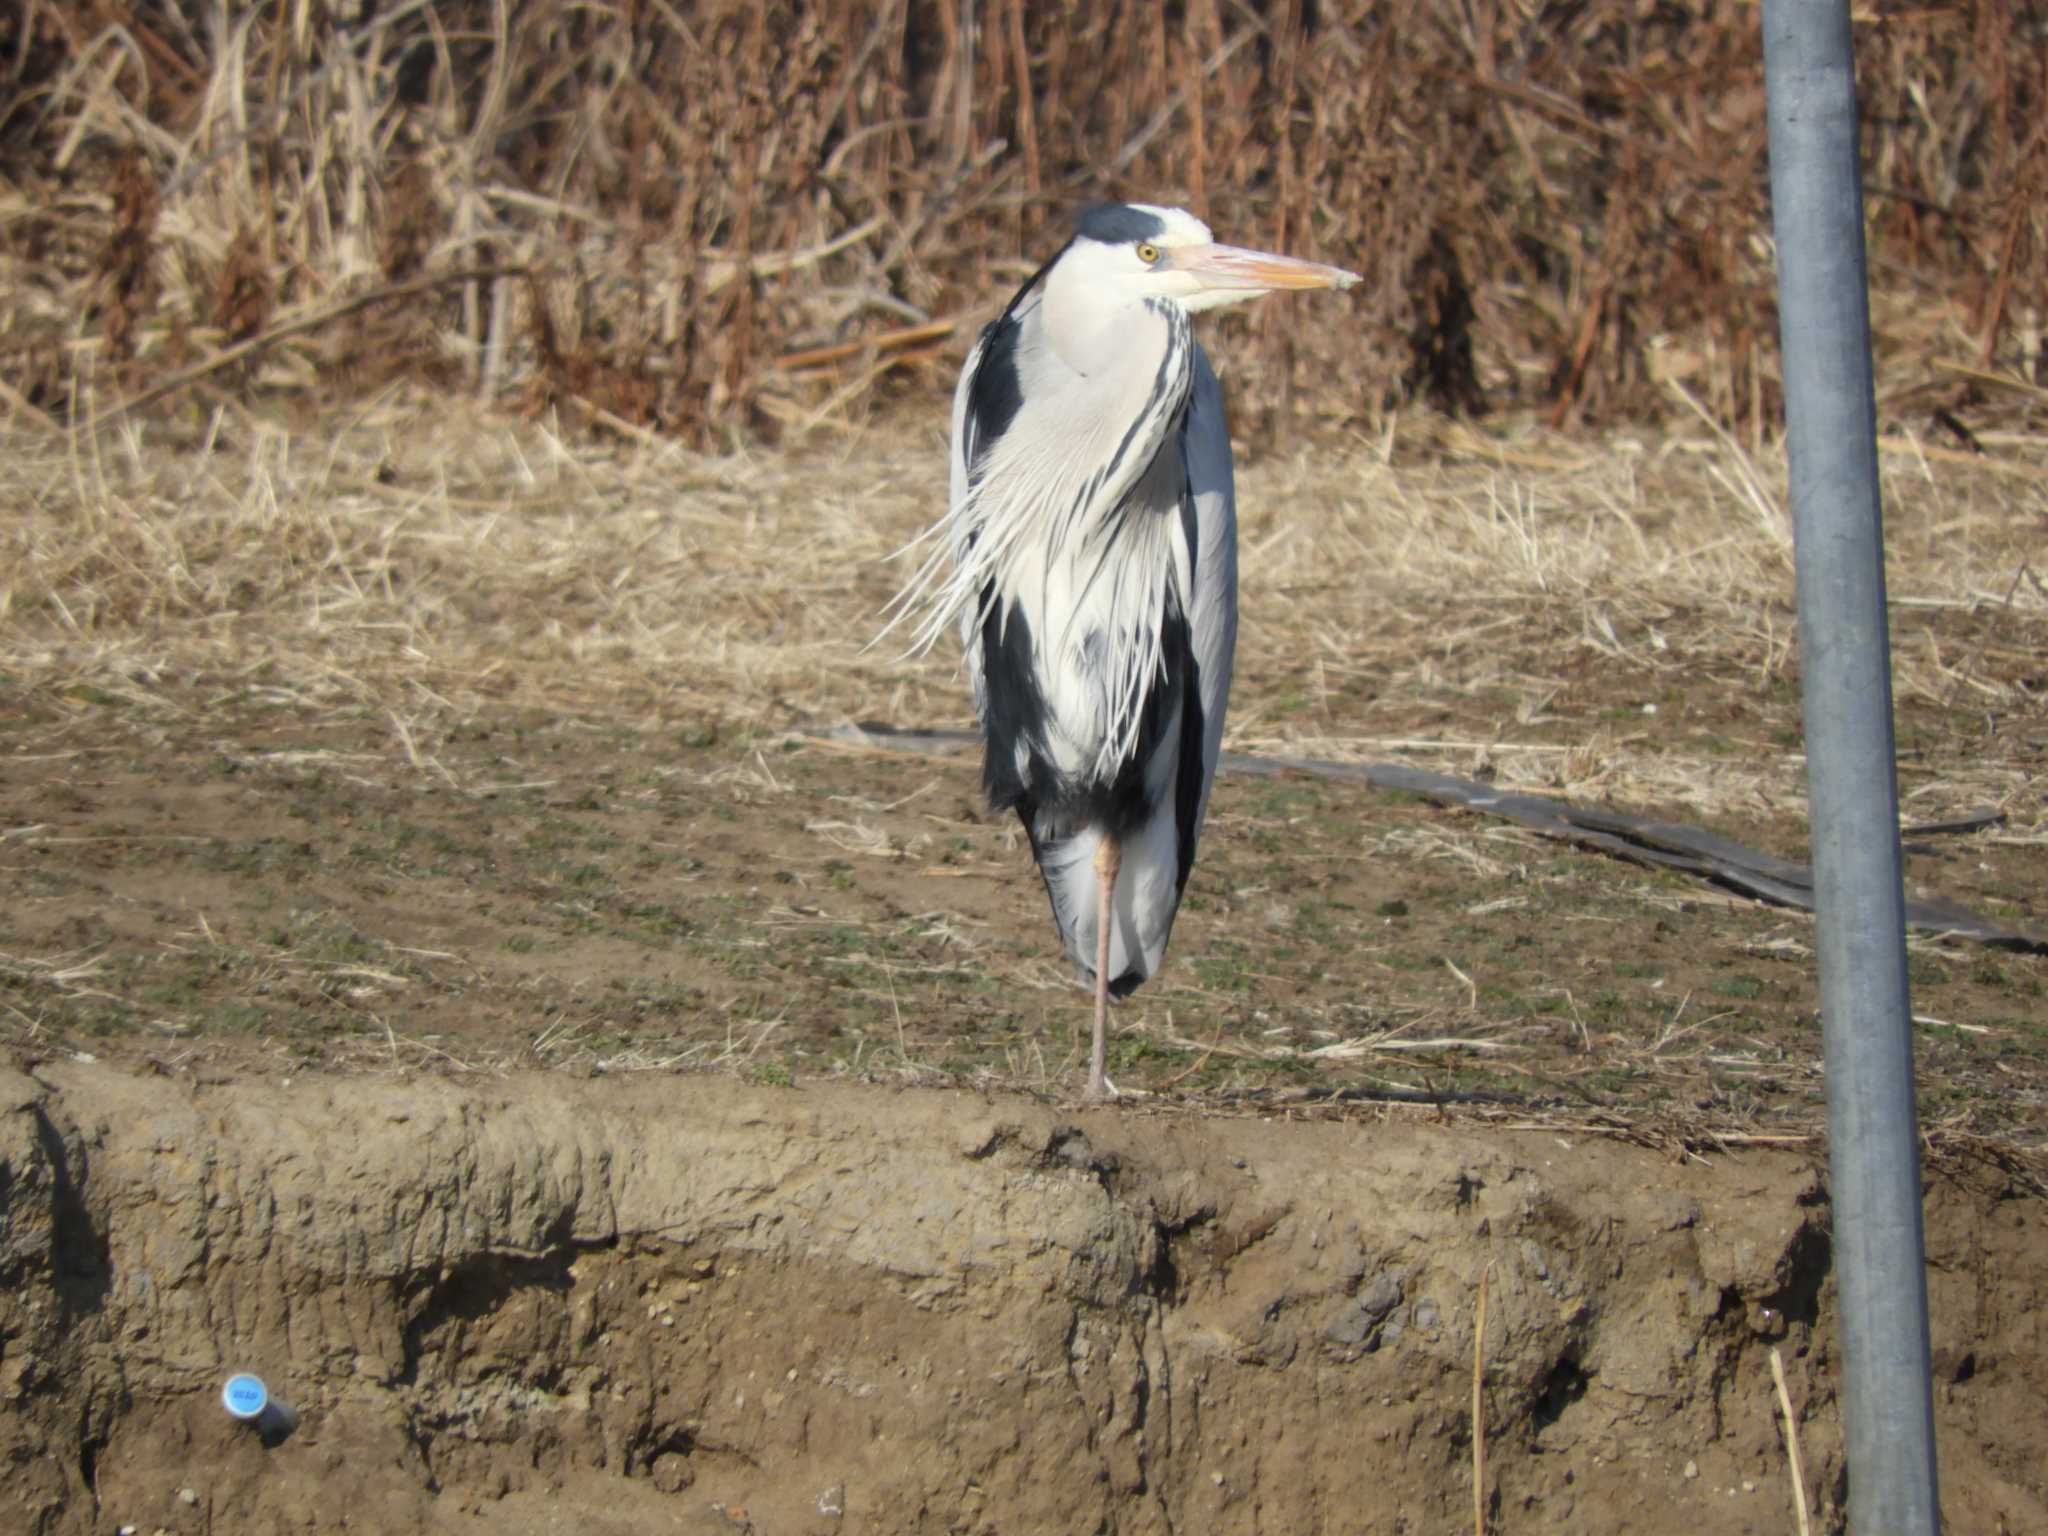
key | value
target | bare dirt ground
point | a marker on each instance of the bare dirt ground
(390, 810)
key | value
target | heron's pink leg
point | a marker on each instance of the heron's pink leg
(1108, 860)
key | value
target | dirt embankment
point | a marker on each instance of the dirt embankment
(684, 1304)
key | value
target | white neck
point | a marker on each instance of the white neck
(1091, 325)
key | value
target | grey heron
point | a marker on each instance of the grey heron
(1089, 557)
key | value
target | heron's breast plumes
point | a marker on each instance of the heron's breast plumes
(1097, 609)
(1070, 523)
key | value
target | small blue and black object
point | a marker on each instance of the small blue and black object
(249, 1400)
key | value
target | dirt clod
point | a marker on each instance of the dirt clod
(671, 1472)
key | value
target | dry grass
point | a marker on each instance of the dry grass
(762, 217)
(428, 573)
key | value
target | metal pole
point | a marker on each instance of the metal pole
(1873, 1137)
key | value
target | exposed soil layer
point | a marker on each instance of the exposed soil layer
(538, 1302)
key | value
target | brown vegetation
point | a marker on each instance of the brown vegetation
(705, 218)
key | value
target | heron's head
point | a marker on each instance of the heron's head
(1131, 251)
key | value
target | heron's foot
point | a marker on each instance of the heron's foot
(1100, 1091)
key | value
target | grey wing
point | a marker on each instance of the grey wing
(963, 443)
(1209, 521)
(985, 402)
(960, 532)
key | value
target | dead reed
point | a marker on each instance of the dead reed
(758, 216)
(1794, 1463)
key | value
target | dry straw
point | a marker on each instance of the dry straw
(1479, 1407)
(716, 218)
(430, 565)
(1795, 1465)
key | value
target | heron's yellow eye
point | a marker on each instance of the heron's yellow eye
(1147, 252)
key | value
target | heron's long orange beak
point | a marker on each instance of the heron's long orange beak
(1232, 269)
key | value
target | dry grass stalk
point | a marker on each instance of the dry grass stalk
(1479, 1408)
(1797, 1467)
